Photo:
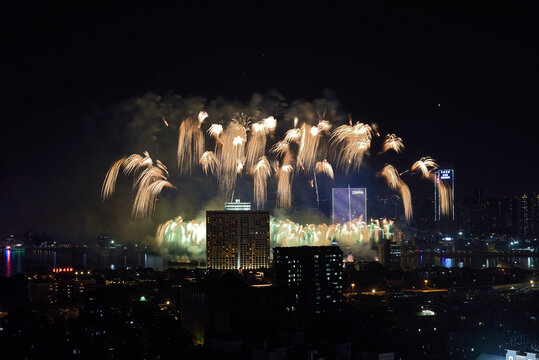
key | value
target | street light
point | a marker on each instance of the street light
(353, 286)
(426, 283)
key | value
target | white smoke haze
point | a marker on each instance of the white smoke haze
(217, 155)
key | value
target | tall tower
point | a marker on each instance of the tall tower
(237, 239)
(348, 204)
(444, 200)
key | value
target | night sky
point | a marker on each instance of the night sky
(66, 69)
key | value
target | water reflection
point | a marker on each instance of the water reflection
(473, 262)
(12, 262)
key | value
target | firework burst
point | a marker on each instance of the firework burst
(209, 162)
(393, 142)
(351, 142)
(425, 165)
(325, 168)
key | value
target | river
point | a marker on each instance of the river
(12, 262)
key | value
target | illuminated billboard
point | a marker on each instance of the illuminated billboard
(445, 174)
(349, 204)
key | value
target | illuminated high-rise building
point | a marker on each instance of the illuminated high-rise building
(237, 239)
(528, 215)
(444, 178)
(348, 204)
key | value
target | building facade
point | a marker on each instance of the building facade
(311, 278)
(237, 239)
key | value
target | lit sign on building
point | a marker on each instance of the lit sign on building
(349, 204)
(238, 205)
(445, 174)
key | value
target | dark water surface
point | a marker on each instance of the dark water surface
(12, 262)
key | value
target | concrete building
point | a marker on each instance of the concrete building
(237, 239)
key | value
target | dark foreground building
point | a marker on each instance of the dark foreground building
(310, 278)
(389, 254)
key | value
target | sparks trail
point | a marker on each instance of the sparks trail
(148, 184)
(392, 177)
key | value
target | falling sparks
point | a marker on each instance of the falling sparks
(325, 167)
(284, 187)
(445, 198)
(256, 146)
(391, 175)
(231, 154)
(308, 147)
(353, 141)
(109, 185)
(129, 164)
(292, 135)
(209, 162)
(425, 165)
(190, 145)
(261, 172)
(393, 142)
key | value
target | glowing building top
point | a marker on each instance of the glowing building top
(238, 205)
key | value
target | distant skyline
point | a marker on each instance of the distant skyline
(455, 84)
